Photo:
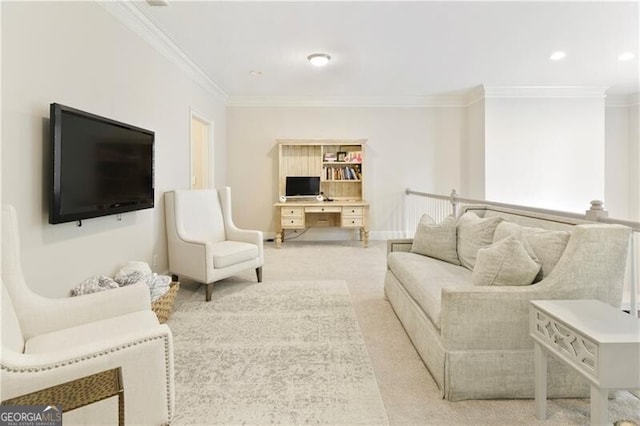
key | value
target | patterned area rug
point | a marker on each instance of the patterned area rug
(273, 353)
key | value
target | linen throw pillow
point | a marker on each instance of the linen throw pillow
(505, 263)
(545, 246)
(548, 246)
(437, 240)
(474, 233)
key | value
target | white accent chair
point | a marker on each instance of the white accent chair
(49, 341)
(203, 243)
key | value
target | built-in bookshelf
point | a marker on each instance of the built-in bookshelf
(339, 163)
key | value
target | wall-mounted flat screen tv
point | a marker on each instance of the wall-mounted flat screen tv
(100, 166)
(302, 186)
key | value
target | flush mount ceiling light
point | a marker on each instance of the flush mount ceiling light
(557, 56)
(626, 56)
(319, 59)
(158, 2)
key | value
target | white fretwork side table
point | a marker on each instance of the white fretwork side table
(599, 341)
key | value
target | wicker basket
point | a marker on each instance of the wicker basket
(163, 305)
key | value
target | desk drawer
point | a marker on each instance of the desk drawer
(292, 221)
(291, 211)
(352, 211)
(323, 209)
(352, 221)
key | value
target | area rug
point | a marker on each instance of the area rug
(273, 353)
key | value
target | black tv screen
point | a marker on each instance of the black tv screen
(302, 186)
(100, 166)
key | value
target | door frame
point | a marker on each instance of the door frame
(194, 114)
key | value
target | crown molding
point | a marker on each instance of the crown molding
(348, 101)
(597, 92)
(134, 19)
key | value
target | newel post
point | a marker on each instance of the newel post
(454, 202)
(596, 211)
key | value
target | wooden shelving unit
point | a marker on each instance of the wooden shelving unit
(340, 180)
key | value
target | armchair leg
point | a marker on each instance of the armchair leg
(259, 274)
(209, 291)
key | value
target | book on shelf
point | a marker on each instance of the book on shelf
(342, 173)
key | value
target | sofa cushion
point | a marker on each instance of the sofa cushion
(506, 262)
(436, 240)
(474, 233)
(425, 277)
(547, 246)
(226, 253)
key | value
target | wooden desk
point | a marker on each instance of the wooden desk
(602, 343)
(307, 214)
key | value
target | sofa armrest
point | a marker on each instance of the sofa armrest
(496, 317)
(486, 317)
(403, 244)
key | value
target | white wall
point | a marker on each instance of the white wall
(78, 54)
(545, 152)
(407, 147)
(472, 153)
(618, 163)
(634, 158)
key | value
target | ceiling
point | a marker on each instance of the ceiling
(396, 49)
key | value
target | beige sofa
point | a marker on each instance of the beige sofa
(473, 338)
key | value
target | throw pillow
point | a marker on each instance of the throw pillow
(505, 263)
(437, 240)
(548, 247)
(543, 245)
(474, 233)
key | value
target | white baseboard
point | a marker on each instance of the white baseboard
(335, 234)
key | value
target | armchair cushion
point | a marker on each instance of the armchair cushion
(227, 253)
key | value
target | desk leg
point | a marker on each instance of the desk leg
(540, 376)
(365, 241)
(599, 408)
(279, 238)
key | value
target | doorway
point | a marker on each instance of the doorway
(200, 143)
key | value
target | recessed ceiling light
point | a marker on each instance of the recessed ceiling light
(319, 59)
(626, 56)
(556, 56)
(255, 73)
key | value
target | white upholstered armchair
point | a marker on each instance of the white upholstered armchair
(47, 342)
(203, 242)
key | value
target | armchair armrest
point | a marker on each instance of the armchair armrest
(189, 258)
(145, 357)
(47, 314)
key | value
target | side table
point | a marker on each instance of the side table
(599, 341)
(78, 393)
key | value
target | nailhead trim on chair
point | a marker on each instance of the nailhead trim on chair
(102, 353)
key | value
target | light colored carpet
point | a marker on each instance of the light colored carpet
(410, 395)
(288, 352)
